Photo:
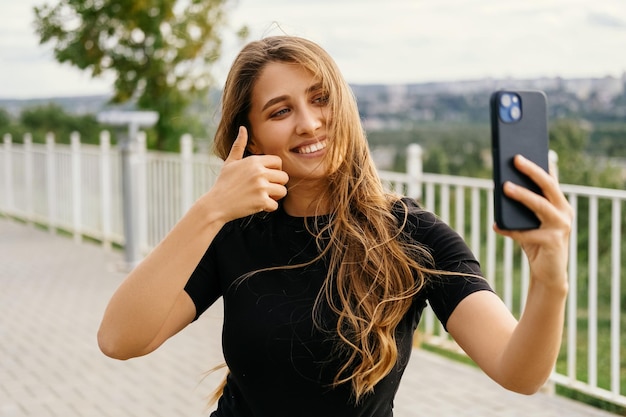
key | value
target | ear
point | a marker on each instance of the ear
(252, 147)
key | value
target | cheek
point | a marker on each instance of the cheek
(264, 147)
(269, 141)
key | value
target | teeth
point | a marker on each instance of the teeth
(312, 148)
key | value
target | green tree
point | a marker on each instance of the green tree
(5, 120)
(160, 51)
(570, 139)
(52, 117)
(9, 126)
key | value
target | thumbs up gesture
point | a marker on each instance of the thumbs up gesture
(248, 185)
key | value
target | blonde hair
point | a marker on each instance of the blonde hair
(374, 268)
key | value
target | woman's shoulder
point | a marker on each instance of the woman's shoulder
(263, 225)
(411, 213)
(425, 227)
(258, 221)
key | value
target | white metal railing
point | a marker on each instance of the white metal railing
(77, 188)
(506, 268)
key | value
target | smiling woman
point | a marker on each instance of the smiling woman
(288, 114)
(323, 274)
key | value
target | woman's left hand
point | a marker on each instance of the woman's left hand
(547, 246)
(520, 354)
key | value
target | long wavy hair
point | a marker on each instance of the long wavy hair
(374, 270)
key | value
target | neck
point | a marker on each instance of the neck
(303, 200)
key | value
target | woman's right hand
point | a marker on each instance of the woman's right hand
(151, 305)
(247, 185)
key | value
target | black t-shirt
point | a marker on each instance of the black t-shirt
(280, 363)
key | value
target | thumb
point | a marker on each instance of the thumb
(239, 145)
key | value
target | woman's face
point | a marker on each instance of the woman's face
(288, 119)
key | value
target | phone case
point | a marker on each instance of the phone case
(517, 131)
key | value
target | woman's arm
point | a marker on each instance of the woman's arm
(151, 304)
(521, 355)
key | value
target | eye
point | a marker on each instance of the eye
(321, 99)
(280, 112)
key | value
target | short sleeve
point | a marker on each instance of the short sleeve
(203, 285)
(450, 253)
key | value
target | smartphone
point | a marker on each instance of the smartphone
(519, 125)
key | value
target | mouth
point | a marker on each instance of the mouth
(311, 147)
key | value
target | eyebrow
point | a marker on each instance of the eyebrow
(271, 102)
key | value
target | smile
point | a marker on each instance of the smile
(315, 147)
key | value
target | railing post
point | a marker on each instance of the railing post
(186, 177)
(592, 293)
(129, 154)
(106, 191)
(572, 298)
(616, 292)
(8, 205)
(553, 162)
(28, 177)
(51, 194)
(142, 192)
(76, 187)
(490, 264)
(132, 152)
(414, 168)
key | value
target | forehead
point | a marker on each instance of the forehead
(281, 79)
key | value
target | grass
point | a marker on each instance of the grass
(603, 361)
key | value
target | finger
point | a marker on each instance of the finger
(271, 205)
(277, 176)
(270, 161)
(503, 232)
(546, 211)
(239, 145)
(547, 182)
(528, 198)
(277, 191)
(530, 168)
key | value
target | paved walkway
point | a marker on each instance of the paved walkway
(52, 295)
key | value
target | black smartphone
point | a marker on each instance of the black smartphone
(519, 125)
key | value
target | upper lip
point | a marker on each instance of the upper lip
(309, 142)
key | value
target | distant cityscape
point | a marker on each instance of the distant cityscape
(408, 107)
(397, 106)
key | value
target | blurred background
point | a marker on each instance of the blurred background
(422, 73)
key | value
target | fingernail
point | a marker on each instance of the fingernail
(509, 186)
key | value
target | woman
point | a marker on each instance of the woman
(323, 274)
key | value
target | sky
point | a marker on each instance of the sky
(374, 41)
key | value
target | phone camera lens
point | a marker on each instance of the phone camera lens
(516, 112)
(510, 108)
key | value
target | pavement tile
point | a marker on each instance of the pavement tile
(53, 292)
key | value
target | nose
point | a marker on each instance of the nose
(310, 119)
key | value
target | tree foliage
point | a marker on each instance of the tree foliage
(160, 51)
(5, 119)
(570, 139)
(39, 120)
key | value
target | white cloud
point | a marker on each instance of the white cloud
(375, 41)
(404, 41)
